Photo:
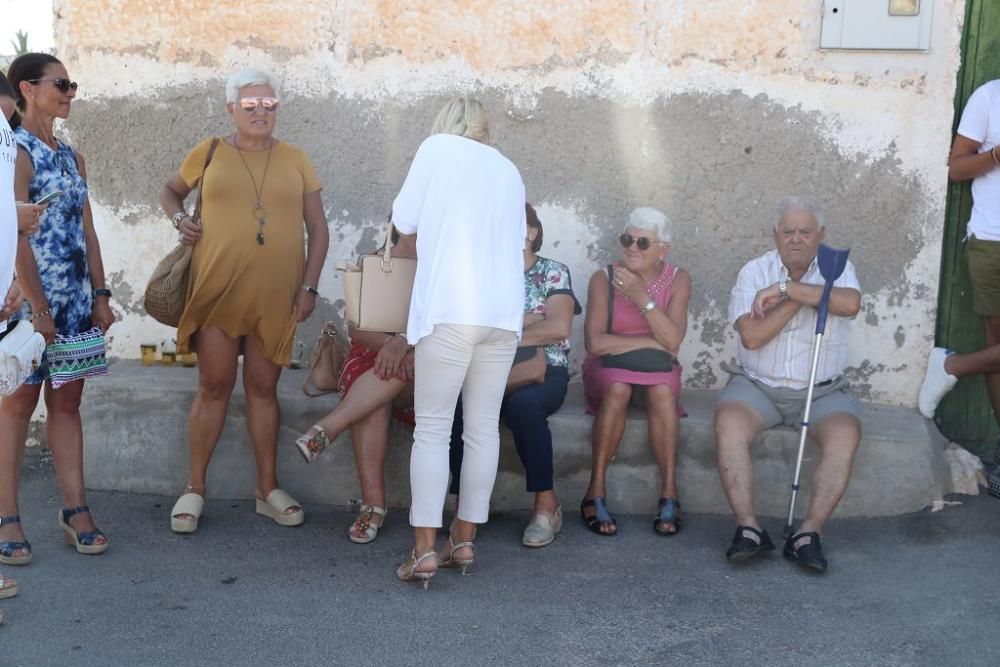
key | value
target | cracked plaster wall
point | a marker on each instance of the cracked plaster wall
(710, 111)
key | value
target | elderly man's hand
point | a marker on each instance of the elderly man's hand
(766, 299)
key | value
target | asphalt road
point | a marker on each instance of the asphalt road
(920, 589)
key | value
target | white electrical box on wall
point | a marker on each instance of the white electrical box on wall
(877, 24)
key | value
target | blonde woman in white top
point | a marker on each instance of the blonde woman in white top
(465, 202)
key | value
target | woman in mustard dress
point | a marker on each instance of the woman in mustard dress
(251, 282)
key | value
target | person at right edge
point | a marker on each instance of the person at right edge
(773, 309)
(975, 156)
(464, 200)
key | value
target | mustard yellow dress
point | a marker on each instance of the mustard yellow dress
(237, 284)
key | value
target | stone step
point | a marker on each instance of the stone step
(136, 426)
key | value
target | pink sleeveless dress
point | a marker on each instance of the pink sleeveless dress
(627, 319)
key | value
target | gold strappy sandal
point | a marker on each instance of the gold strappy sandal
(408, 571)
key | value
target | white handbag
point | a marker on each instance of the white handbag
(20, 354)
(377, 289)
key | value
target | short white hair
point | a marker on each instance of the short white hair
(251, 76)
(464, 116)
(797, 203)
(649, 219)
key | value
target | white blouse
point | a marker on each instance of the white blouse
(465, 202)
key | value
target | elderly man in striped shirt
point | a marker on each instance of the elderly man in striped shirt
(773, 308)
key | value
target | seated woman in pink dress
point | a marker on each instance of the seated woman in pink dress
(633, 333)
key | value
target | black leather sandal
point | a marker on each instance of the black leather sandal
(808, 555)
(745, 548)
(601, 516)
(668, 513)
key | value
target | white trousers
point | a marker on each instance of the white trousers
(474, 361)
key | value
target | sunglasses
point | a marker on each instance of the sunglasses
(64, 85)
(641, 242)
(250, 104)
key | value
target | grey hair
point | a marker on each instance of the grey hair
(464, 116)
(649, 219)
(796, 203)
(251, 76)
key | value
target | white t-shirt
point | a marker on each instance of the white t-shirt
(785, 361)
(981, 122)
(465, 202)
(8, 212)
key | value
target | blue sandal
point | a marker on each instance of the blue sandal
(668, 513)
(7, 549)
(601, 516)
(85, 543)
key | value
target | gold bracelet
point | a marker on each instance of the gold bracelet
(39, 315)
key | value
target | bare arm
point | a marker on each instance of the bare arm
(756, 332)
(102, 315)
(555, 325)
(670, 327)
(319, 237)
(965, 162)
(598, 340)
(27, 269)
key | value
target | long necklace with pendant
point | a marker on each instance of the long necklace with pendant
(259, 214)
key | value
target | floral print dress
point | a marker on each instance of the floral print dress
(59, 246)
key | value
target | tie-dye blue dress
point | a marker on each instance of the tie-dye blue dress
(59, 246)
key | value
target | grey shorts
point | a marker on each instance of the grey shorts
(785, 406)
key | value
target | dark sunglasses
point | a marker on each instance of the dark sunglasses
(250, 104)
(64, 85)
(641, 242)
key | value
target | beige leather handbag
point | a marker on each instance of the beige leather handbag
(377, 289)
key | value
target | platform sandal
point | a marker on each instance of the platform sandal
(187, 510)
(85, 543)
(408, 571)
(312, 444)
(364, 524)
(668, 513)
(7, 549)
(601, 516)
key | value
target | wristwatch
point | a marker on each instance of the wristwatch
(177, 217)
(783, 287)
(311, 290)
(101, 291)
(650, 306)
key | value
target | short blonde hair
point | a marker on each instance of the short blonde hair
(251, 76)
(464, 116)
(649, 219)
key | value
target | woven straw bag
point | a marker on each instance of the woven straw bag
(166, 291)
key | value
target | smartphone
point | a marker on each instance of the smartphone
(48, 197)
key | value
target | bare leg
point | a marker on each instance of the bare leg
(367, 394)
(15, 416)
(735, 427)
(217, 357)
(609, 425)
(369, 436)
(838, 436)
(260, 383)
(64, 432)
(664, 429)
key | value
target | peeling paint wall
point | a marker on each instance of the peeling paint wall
(710, 111)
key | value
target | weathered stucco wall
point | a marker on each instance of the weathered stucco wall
(710, 111)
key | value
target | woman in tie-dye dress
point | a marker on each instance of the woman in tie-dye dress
(62, 278)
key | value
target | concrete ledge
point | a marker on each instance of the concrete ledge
(135, 429)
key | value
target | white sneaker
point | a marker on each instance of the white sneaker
(937, 382)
